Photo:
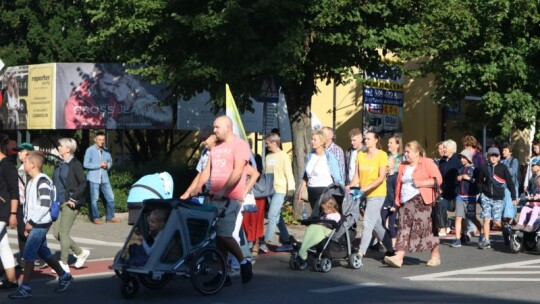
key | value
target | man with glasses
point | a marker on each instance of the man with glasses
(494, 178)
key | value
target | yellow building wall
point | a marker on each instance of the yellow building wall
(421, 117)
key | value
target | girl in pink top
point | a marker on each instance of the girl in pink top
(532, 208)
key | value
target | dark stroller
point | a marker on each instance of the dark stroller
(338, 246)
(186, 247)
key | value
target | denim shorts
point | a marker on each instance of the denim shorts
(491, 209)
(36, 245)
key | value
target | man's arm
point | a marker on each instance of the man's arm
(89, 163)
(202, 178)
(109, 161)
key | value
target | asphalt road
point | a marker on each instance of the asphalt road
(467, 275)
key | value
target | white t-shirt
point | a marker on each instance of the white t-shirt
(408, 189)
(352, 164)
(318, 171)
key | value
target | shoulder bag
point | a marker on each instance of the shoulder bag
(439, 216)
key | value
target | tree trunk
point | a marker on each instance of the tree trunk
(298, 97)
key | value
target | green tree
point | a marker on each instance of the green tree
(484, 48)
(43, 31)
(200, 45)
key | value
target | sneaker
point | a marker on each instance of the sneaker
(518, 227)
(64, 266)
(21, 293)
(234, 272)
(98, 222)
(263, 248)
(40, 264)
(246, 271)
(528, 228)
(481, 238)
(6, 285)
(63, 284)
(486, 244)
(284, 248)
(456, 243)
(81, 258)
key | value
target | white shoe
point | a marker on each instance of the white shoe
(81, 258)
(64, 266)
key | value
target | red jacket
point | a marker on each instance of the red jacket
(425, 170)
(82, 111)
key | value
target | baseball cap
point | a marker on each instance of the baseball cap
(493, 151)
(535, 161)
(24, 146)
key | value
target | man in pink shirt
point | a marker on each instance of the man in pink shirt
(227, 173)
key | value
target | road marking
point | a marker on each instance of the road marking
(76, 239)
(345, 287)
(458, 275)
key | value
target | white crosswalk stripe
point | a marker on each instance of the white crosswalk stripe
(524, 271)
(55, 245)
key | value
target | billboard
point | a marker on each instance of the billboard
(81, 96)
(383, 101)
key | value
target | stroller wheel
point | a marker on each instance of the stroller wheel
(355, 261)
(293, 264)
(529, 241)
(155, 284)
(208, 271)
(325, 265)
(130, 288)
(515, 243)
(314, 263)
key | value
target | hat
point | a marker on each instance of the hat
(467, 154)
(493, 150)
(205, 132)
(535, 161)
(24, 146)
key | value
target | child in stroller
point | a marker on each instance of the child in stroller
(315, 233)
(141, 250)
(331, 236)
(531, 208)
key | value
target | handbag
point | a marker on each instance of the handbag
(509, 209)
(249, 205)
(439, 216)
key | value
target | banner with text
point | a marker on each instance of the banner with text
(383, 101)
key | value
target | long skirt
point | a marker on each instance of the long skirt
(253, 223)
(415, 232)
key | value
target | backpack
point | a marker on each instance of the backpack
(54, 209)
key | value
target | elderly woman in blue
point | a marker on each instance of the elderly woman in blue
(322, 169)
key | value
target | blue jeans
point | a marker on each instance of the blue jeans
(275, 219)
(106, 189)
(36, 245)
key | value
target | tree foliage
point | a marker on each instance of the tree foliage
(43, 31)
(484, 48)
(200, 45)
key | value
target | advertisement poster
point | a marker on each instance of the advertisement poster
(106, 95)
(383, 102)
(40, 96)
(13, 109)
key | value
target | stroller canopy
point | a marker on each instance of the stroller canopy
(158, 185)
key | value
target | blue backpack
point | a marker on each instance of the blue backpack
(54, 209)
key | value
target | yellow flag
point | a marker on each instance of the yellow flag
(232, 112)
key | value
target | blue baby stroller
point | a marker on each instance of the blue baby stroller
(186, 248)
(338, 246)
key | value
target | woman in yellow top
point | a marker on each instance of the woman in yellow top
(371, 176)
